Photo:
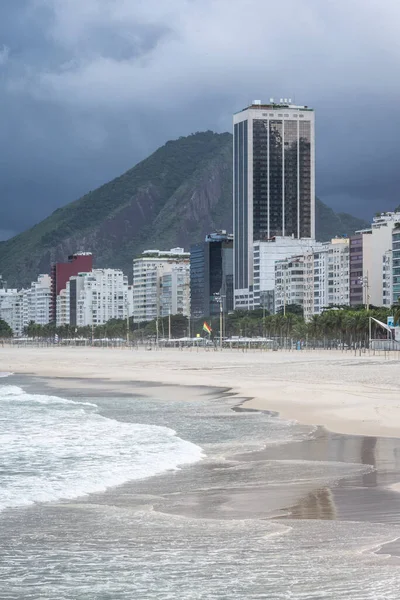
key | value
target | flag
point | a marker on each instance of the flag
(207, 328)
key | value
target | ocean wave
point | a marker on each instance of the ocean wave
(52, 449)
(13, 393)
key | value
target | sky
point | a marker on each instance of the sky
(88, 88)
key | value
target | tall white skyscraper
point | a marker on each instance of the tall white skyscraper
(273, 186)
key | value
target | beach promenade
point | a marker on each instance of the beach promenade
(347, 393)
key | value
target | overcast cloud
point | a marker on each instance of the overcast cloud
(90, 87)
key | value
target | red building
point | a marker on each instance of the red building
(80, 262)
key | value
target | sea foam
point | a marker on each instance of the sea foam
(52, 448)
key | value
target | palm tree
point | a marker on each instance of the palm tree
(350, 326)
(314, 328)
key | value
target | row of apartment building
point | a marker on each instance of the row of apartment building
(76, 294)
(362, 269)
(314, 280)
(19, 307)
(174, 282)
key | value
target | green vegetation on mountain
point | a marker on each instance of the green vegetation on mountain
(330, 224)
(172, 198)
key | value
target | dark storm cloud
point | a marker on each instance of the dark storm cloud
(89, 87)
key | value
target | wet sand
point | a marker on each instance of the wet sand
(373, 496)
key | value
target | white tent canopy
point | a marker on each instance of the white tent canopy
(382, 324)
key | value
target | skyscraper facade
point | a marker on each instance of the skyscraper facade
(211, 275)
(273, 182)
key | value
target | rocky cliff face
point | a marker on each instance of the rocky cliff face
(173, 198)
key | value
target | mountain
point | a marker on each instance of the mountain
(329, 224)
(172, 198)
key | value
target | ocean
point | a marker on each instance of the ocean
(108, 497)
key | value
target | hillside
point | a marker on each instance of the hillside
(172, 198)
(329, 223)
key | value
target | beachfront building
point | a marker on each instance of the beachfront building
(79, 262)
(20, 307)
(314, 280)
(369, 253)
(175, 291)
(387, 278)
(62, 312)
(356, 296)
(331, 274)
(11, 309)
(98, 296)
(148, 270)
(265, 255)
(291, 276)
(211, 275)
(273, 193)
(395, 279)
(36, 301)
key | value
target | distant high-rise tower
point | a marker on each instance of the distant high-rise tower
(80, 262)
(211, 275)
(273, 182)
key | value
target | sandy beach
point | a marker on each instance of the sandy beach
(347, 393)
(168, 473)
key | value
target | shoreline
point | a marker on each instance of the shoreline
(238, 497)
(319, 499)
(346, 394)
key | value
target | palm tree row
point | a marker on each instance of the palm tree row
(341, 326)
(333, 326)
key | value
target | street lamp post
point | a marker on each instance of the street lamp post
(93, 305)
(127, 323)
(157, 311)
(263, 317)
(220, 323)
(365, 286)
(284, 293)
(220, 299)
(366, 283)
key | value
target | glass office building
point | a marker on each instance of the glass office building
(211, 275)
(274, 181)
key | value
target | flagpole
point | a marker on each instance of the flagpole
(220, 323)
